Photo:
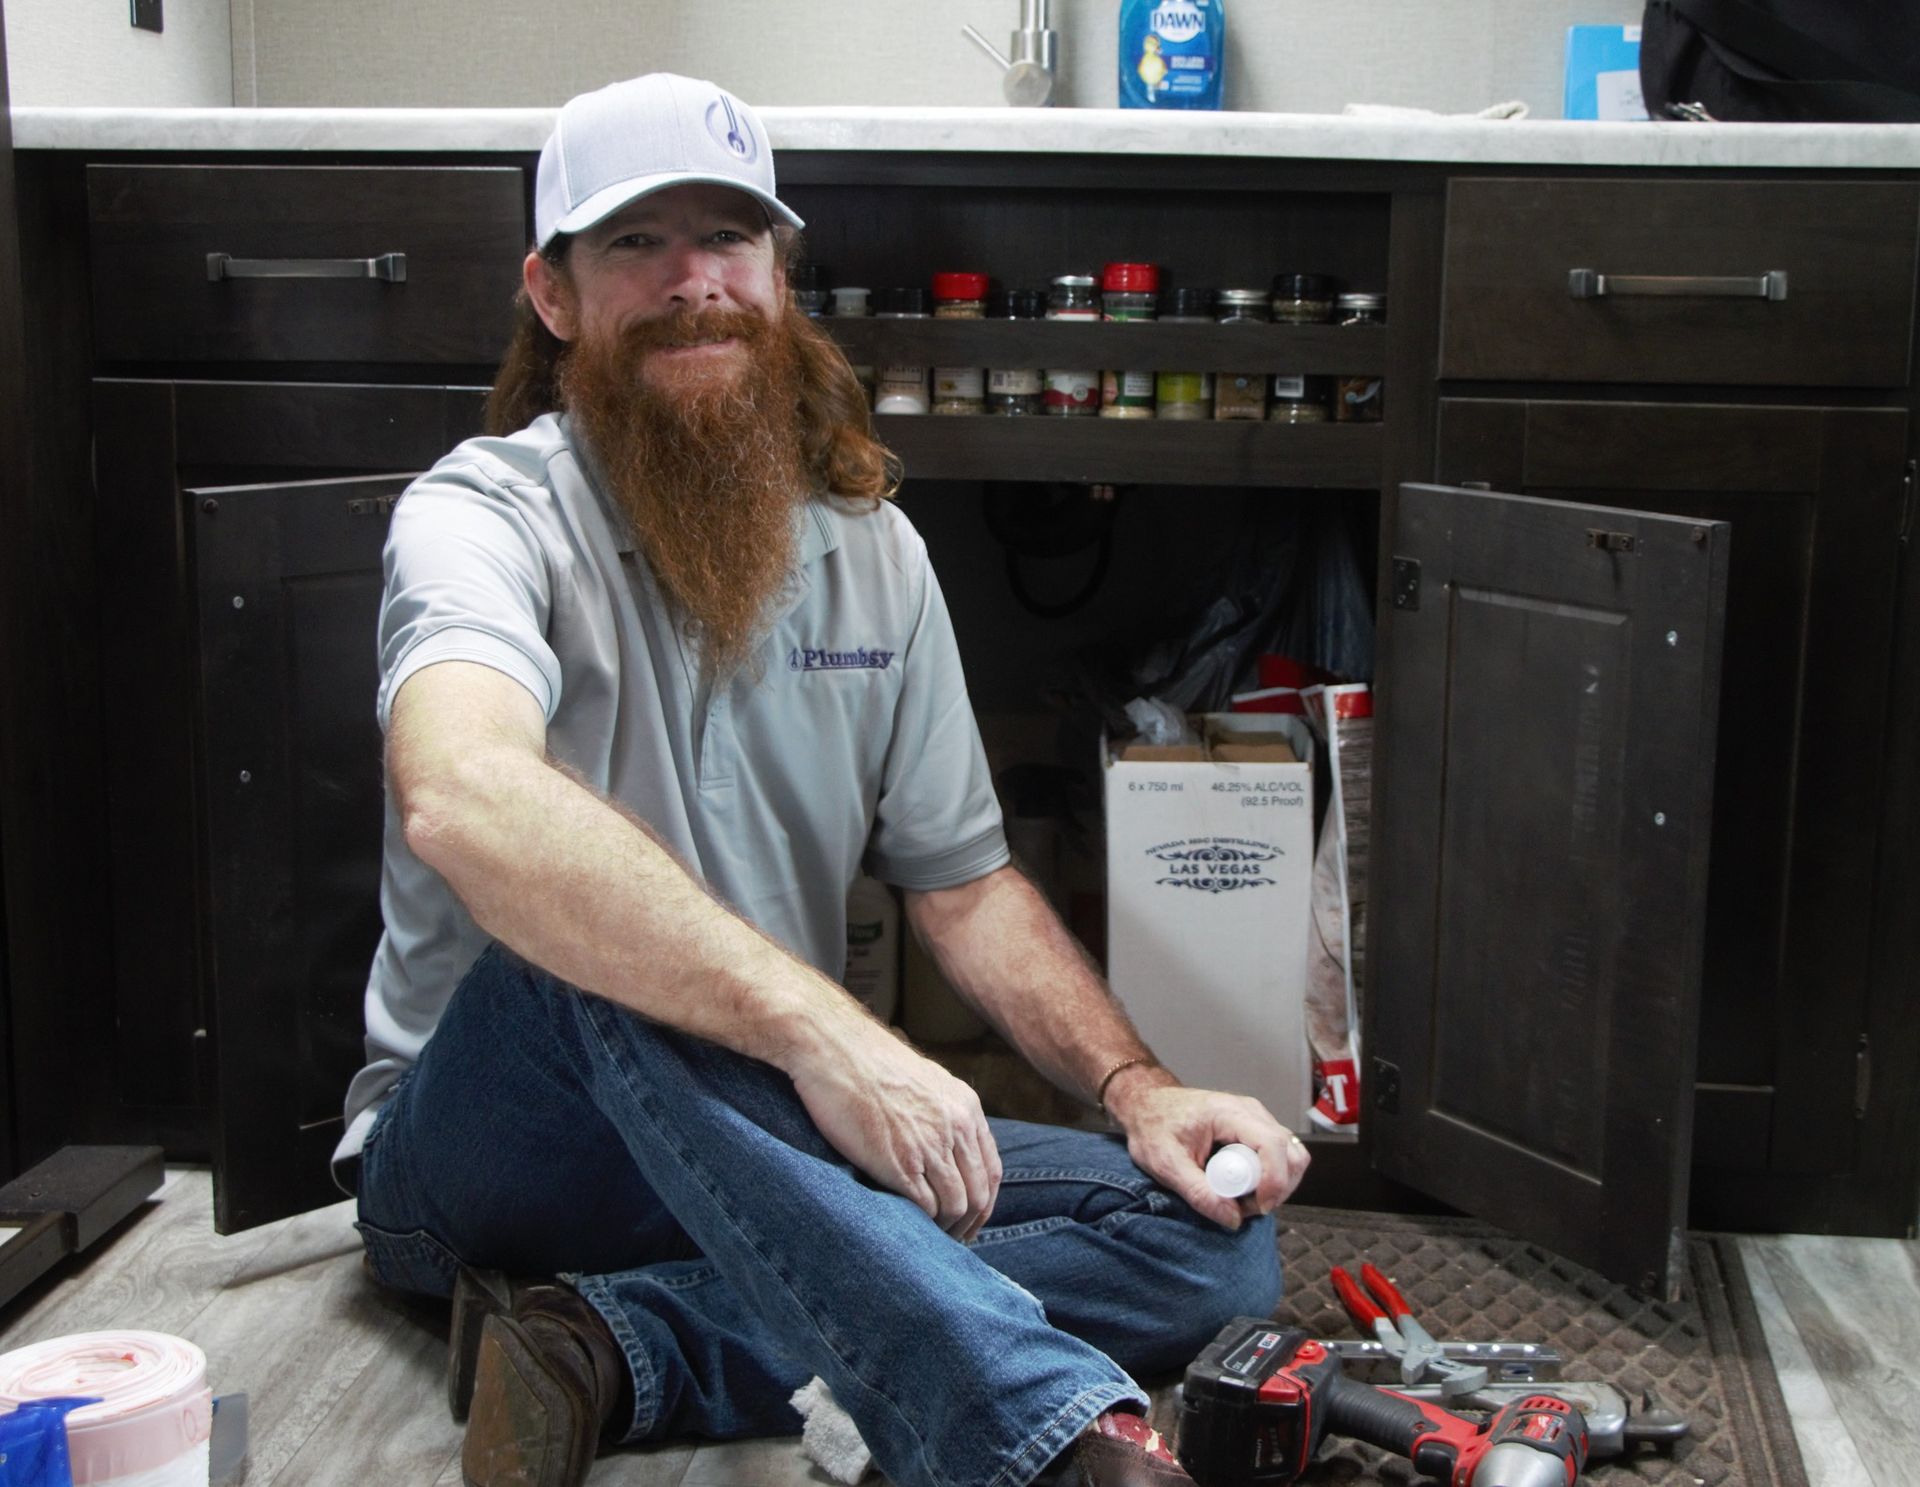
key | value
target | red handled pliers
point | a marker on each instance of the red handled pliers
(1392, 1321)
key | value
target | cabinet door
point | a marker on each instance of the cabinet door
(144, 1073)
(1814, 496)
(289, 583)
(1549, 679)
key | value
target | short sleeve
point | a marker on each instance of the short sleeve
(466, 580)
(938, 822)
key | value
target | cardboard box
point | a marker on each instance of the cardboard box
(1603, 73)
(1209, 880)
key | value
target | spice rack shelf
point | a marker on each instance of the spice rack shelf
(1316, 349)
(1143, 451)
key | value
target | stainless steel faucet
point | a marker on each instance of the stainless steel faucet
(1034, 63)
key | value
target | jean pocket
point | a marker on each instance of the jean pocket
(413, 1261)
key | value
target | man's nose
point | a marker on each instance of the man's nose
(695, 275)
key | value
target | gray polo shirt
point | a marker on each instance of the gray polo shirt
(854, 742)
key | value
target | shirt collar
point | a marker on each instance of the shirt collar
(819, 532)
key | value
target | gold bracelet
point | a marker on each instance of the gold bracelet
(1100, 1091)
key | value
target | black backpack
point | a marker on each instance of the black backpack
(1787, 60)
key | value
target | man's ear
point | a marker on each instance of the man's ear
(552, 297)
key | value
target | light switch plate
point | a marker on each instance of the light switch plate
(146, 15)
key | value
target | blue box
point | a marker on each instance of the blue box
(1603, 73)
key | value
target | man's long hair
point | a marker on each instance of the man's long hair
(842, 455)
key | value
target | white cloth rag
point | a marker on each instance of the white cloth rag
(1512, 109)
(829, 1436)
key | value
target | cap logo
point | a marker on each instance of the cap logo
(734, 136)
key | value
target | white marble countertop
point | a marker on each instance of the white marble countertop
(1042, 131)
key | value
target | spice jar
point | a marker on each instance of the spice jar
(1359, 398)
(809, 286)
(1015, 391)
(961, 390)
(959, 296)
(1298, 399)
(902, 389)
(1241, 395)
(1129, 291)
(1072, 393)
(1302, 299)
(850, 303)
(1184, 395)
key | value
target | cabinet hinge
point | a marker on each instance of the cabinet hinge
(1906, 503)
(1606, 541)
(1386, 1087)
(1406, 583)
(1862, 1077)
(381, 506)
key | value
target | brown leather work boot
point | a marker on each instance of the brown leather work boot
(477, 1295)
(1122, 1450)
(548, 1385)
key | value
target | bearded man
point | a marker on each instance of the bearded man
(662, 668)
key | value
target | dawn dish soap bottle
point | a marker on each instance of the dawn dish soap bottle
(1172, 53)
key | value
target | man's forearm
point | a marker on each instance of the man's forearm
(1001, 946)
(564, 879)
(1004, 949)
(557, 874)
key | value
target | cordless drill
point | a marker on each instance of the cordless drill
(1262, 1397)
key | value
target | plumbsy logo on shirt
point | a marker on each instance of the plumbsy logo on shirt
(807, 658)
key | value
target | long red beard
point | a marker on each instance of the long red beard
(706, 462)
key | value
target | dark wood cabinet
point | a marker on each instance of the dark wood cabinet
(221, 991)
(180, 925)
(1762, 283)
(227, 263)
(14, 444)
(287, 581)
(1814, 500)
(1545, 803)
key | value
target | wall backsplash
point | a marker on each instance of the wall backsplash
(1450, 55)
(84, 52)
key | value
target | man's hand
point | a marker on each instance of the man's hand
(903, 1120)
(1172, 1130)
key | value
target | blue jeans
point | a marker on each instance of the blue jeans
(734, 1254)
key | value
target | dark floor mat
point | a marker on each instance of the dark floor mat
(1466, 1280)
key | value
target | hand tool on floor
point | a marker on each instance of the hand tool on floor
(1506, 1362)
(1261, 1398)
(1421, 1358)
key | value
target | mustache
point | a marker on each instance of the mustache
(684, 327)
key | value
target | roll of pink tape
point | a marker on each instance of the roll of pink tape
(155, 1413)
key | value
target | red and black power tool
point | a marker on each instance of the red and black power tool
(1262, 1397)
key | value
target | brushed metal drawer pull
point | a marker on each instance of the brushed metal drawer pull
(1586, 283)
(390, 267)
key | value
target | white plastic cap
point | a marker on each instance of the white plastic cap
(631, 139)
(1234, 1171)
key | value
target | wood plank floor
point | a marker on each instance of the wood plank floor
(344, 1382)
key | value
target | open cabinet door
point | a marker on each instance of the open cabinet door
(289, 581)
(1549, 683)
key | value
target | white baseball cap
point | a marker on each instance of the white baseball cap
(631, 139)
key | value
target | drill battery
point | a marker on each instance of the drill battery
(1246, 1412)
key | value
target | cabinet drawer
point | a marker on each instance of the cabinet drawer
(456, 235)
(1845, 250)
